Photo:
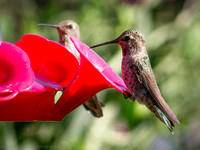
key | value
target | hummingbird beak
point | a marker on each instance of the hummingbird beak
(49, 25)
(109, 42)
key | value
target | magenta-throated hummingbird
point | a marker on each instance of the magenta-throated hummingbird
(139, 78)
(70, 28)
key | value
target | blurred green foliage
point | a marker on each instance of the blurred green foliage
(172, 31)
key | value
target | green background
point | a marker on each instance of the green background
(172, 33)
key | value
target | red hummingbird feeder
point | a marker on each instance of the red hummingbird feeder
(33, 70)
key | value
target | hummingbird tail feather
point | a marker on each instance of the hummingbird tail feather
(163, 117)
(94, 106)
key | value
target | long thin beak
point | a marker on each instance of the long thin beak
(49, 25)
(109, 42)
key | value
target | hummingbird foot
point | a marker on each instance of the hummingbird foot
(127, 94)
(133, 97)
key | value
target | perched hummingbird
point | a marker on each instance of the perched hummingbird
(70, 28)
(139, 77)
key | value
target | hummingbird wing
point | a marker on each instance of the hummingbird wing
(146, 77)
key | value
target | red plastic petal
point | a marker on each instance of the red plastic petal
(36, 103)
(49, 59)
(94, 75)
(30, 106)
(113, 78)
(15, 71)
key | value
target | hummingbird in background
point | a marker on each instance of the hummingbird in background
(70, 28)
(139, 78)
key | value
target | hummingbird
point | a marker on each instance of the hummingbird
(65, 30)
(139, 78)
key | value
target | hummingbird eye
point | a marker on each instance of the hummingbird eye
(70, 26)
(126, 38)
